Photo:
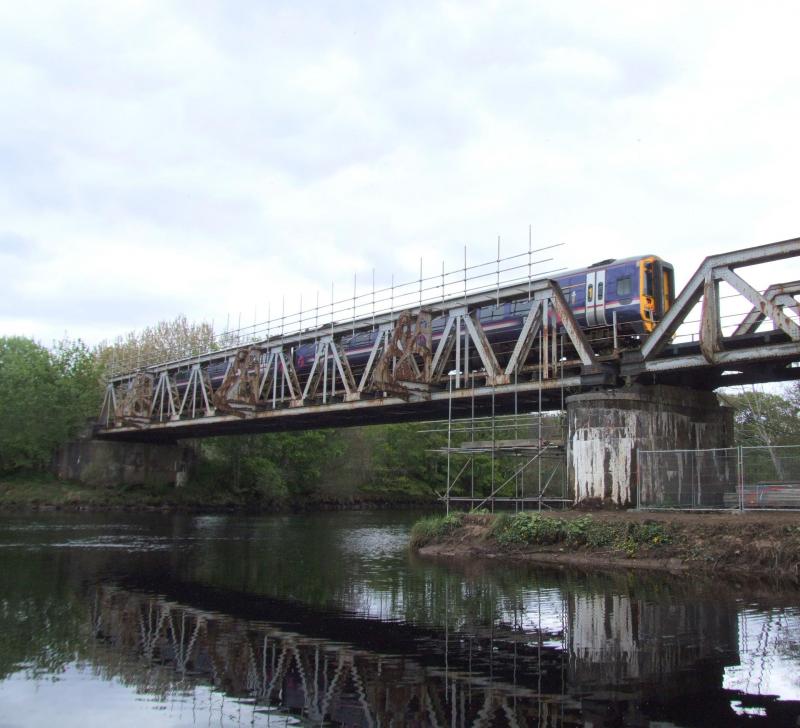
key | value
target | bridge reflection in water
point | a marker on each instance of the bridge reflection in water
(551, 659)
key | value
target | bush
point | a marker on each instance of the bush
(433, 528)
(537, 529)
(46, 396)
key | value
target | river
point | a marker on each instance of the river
(117, 619)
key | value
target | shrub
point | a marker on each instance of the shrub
(433, 528)
(538, 529)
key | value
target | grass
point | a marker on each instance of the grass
(535, 529)
(432, 528)
(40, 490)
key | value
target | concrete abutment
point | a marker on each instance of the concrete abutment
(606, 429)
(109, 464)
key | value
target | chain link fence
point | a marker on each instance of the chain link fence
(766, 477)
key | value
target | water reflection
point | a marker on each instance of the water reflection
(186, 621)
(609, 660)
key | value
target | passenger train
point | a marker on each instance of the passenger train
(631, 293)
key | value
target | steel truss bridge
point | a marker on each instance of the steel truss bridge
(406, 376)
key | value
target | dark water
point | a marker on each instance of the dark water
(151, 620)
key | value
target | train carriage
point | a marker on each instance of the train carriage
(631, 295)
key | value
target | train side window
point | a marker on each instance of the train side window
(624, 286)
(600, 287)
(589, 293)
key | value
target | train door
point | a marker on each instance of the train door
(596, 298)
(589, 298)
(600, 298)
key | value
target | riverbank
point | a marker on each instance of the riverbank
(747, 545)
(44, 492)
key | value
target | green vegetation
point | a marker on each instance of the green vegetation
(536, 529)
(46, 396)
(432, 528)
(269, 470)
(26, 490)
(764, 418)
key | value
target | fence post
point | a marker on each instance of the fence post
(740, 479)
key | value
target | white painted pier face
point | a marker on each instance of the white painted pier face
(614, 638)
(606, 429)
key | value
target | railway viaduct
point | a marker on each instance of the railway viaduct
(621, 392)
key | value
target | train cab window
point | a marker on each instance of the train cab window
(600, 287)
(624, 286)
(589, 293)
(648, 279)
(669, 285)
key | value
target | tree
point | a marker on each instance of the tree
(270, 468)
(45, 398)
(764, 419)
(165, 341)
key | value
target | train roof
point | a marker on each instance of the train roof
(605, 264)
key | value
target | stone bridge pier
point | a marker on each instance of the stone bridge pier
(606, 428)
(111, 464)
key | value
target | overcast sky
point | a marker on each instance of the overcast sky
(206, 158)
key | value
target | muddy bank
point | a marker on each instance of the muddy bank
(736, 545)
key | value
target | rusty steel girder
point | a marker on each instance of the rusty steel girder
(136, 400)
(239, 391)
(408, 354)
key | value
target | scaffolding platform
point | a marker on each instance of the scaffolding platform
(526, 445)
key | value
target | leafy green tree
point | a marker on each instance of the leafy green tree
(403, 454)
(764, 418)
(767, 420)
(269, 469)
(45, 398)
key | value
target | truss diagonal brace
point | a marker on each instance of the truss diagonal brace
(533, 322)
(108, 411)
(782, 294)
(576, 335)
(676, 315)
(781, 320)
(484, 349)
(380, 341)
(444, 348)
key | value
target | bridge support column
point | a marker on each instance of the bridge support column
(606, 429)
(109, 464)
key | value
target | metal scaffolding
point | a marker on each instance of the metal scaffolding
(524, 453)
